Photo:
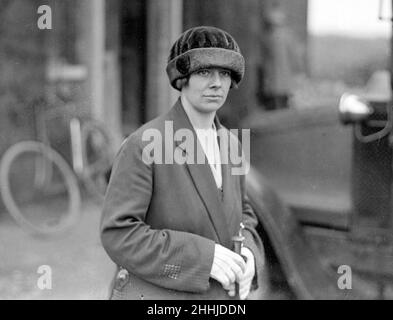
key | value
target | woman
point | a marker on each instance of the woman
(168, 218)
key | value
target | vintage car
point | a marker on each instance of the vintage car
(321, 185)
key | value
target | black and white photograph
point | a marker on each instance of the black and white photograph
(203, 150)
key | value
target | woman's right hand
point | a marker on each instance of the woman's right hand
(227, 268)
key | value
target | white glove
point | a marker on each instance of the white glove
(248, 275)
(227, 268)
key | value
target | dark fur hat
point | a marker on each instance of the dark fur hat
(204, 47)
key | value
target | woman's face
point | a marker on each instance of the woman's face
(207, 89)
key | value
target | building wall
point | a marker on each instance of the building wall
(133, 62)
(22, 61)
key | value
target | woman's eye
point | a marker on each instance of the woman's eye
(225, 73)
(203, 72)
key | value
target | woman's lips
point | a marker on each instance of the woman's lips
(213, 96)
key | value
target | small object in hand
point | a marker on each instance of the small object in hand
(237, 244)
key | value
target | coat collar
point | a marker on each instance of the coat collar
(218, 204)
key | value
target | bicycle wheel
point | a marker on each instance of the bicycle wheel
(97, 153)
(38, 188)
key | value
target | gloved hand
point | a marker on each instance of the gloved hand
(248, 275)
(227, 268)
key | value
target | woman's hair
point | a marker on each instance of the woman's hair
(180, 83)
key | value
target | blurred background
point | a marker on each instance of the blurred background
(104, 61)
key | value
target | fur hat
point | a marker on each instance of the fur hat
(204, 47)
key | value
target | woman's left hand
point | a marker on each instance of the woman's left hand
(248, 275)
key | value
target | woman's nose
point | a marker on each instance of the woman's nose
(215, 79)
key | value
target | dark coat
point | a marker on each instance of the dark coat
(161, 221)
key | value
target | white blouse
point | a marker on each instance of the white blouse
(208, 140)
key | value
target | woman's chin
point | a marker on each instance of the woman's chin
(210, 107)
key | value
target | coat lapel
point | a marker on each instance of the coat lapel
(204, 181)
(227, 178)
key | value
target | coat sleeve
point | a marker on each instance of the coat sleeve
(167, 258)
(252, 240)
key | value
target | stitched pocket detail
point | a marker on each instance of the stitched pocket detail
(171, 271)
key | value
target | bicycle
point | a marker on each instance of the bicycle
(39, 187)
